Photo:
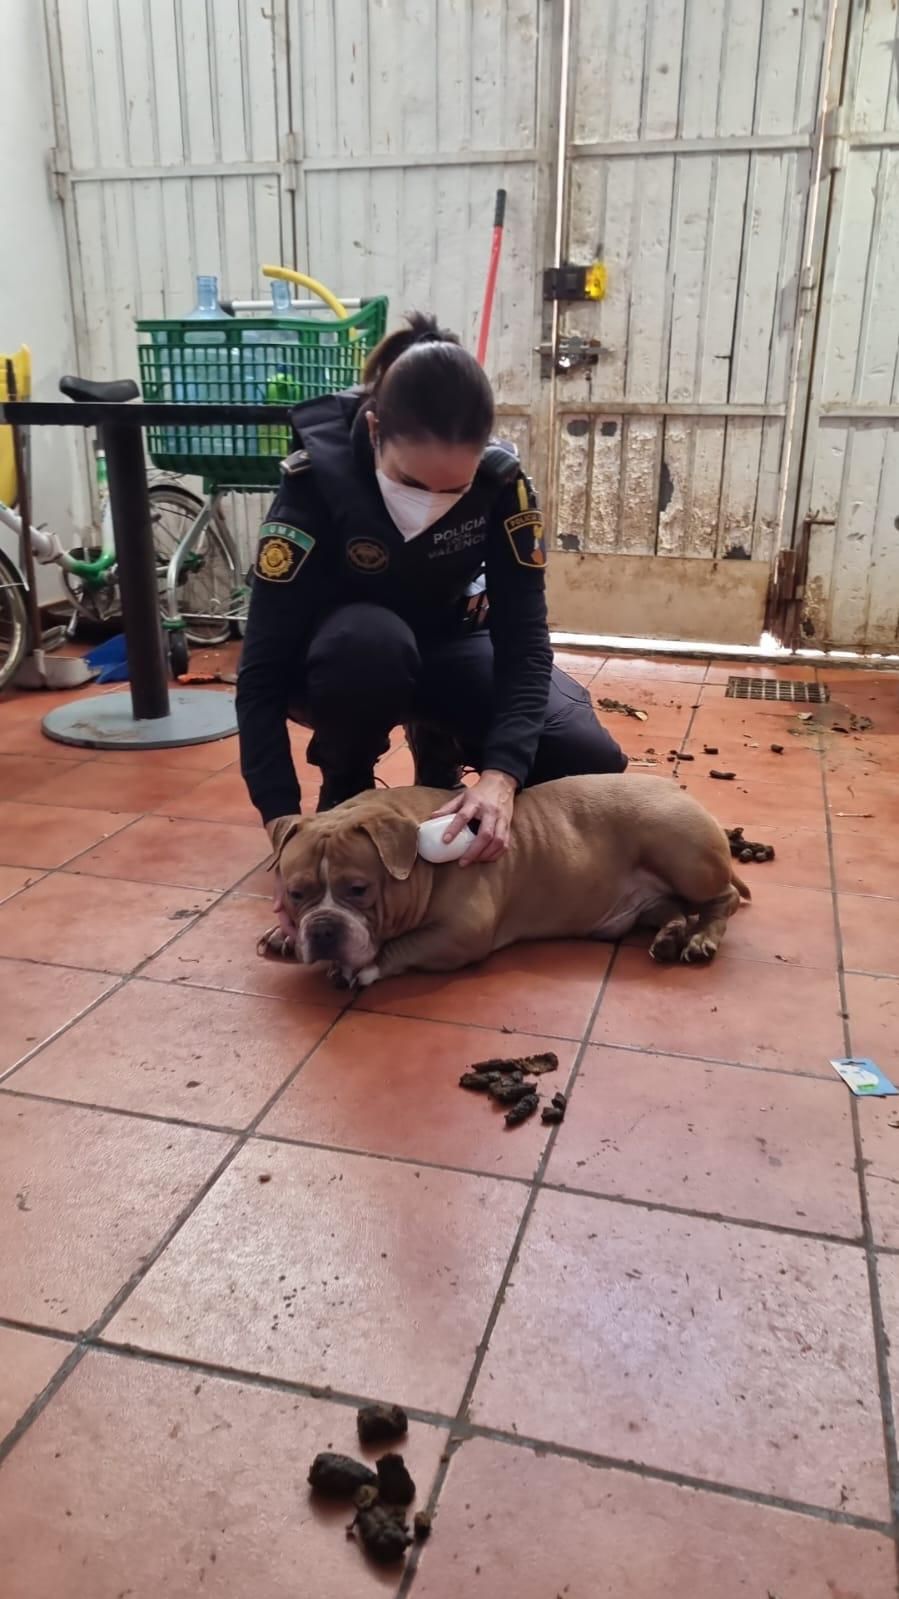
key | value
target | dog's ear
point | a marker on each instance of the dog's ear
(280, 831)
(396, 840)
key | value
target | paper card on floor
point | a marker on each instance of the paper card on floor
(863, 1077)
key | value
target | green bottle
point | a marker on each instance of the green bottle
(280, 389)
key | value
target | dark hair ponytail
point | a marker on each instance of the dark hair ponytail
(425, 386)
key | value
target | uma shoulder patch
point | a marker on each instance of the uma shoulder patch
(282, 551)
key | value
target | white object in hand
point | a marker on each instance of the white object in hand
(430, 841)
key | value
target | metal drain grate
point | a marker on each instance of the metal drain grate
(776, 688)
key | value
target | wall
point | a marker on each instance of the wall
(35, 307)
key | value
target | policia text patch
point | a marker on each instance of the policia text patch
(282, 551)
(525, 534)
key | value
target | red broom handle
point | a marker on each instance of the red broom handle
(499, 217)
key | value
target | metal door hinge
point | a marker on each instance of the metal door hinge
(835, 145)
(808, 282)
(786, 589)
(290, 161)
(58, 170)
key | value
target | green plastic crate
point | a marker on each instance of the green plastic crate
(249, 360)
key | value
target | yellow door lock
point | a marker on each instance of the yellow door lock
(570, 282)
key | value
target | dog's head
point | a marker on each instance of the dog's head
(348, 875)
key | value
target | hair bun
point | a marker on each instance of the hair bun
(425, 329)
(421, 328)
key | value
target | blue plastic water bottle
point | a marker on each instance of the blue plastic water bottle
(206, 364)
(207, 305)
(282, 302)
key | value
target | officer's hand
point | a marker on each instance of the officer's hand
(281, 908)
(489, 802)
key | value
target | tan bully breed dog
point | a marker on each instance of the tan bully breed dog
(589, 857)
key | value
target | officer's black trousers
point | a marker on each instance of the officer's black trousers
(366, 673)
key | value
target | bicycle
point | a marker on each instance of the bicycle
(278, 359)
(201, 592)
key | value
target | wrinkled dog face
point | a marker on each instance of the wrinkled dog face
(333, 909)
(339, 875)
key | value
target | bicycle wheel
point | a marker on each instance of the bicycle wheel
(179, 653)
(13, 621)
(208, 577)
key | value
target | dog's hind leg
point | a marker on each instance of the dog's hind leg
(699, 877)
(709, 924)
(671, 918)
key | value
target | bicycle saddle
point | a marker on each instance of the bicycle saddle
(84, 389)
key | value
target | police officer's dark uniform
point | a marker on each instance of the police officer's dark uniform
(354, 630)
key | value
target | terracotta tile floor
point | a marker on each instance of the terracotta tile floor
(650, 1354)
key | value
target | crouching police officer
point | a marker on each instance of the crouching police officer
(399, 579)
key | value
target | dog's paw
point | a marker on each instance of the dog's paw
(701, 947)
(275, 945)
(667, 946)
(367, 976)
(339, 978)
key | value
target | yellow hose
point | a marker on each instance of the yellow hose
(21, 362)
(289, 276)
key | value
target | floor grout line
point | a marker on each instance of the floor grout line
(132, 818)
(349, 1007)
(114, 988)
(121, 979)
(781, 1229)
(122, 982)
(40, 873)
(17, 1324)
(124, 1292)
(158, 882)
(461, 1427)
(681, 1479)
(815, 1235)
(881, 1337)
(750, 1223)
(251, 824)
(32, 1097)
(462, 1413)
(141, 972)
(465, 1431)
(630, 1049)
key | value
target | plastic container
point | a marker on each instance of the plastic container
(255, 361)
(282, 300)
(202, 376)
(207, 307)
(269, 378)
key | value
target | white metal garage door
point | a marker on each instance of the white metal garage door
(408, 118)
(692, 127)
(365, 142)
(170, 133)
(169, 140)
(362, 142)
(850, 488)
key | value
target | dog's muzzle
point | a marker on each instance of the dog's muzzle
(323, 935)
(336, 936)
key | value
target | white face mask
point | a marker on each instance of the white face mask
(414, 510)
